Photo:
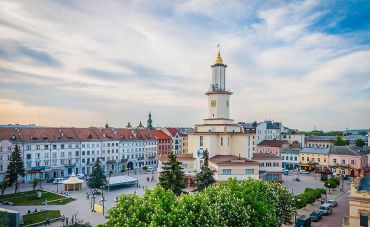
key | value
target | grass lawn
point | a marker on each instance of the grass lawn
(40, 216)
(30, 198)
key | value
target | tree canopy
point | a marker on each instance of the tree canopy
(205, 176)
(15, 168)
(97, 177)
(360, 143)
(243, 203)
(172, 177)
(340, 142)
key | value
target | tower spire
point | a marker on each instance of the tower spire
(218, 59)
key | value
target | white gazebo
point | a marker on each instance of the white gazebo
(73, 183)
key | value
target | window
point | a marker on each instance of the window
(352, 162)
(83, 152)
(83, 160)
(62, 146)
(318, 159)
(37, 147)
(28, 147)
(249, 171)
(302, 158)
(364, 220)
(226, 171)
(308, 159)
(343, 162)
(324, 159)
(222, 141)
(213, 103)
(46, 147)
(77, 153)
(28, 156)
(184, 166)
(201, 141)
(295, 158)
(334, 160)
(54, 146)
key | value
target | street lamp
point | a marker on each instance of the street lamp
(102, 195)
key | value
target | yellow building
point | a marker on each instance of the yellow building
(319, 156)
(359, 202)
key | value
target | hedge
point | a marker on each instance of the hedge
(308, 196)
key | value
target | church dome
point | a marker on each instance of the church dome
(218, 59)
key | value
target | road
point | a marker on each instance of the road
(336, 218)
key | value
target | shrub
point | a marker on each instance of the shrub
(308, 196)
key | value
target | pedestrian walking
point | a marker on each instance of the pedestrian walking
(67, 221)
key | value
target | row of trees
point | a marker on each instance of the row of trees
(236, 203)
(172, 177)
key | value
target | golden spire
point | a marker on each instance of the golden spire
(218, 59)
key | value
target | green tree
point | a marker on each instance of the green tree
(334, 133)
(4, 220)
(15, 168)
(97, 177)
(236, 203)
(145, 168)
(360, 143)
(35, 182)
(205, 176)
(340, 142)
(4, 184)
(330, 184)
(171, 176)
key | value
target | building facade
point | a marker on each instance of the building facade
(359, 202)
(269, 130)
(176, 139)
(270, 166)
(290, 158)
(314, 157)
(59, 152)
(272, 146)
(229, 145)
(320, 141)
(345, 160)
(164, 142)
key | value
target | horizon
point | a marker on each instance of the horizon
(72, 64)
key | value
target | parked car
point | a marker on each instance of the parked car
(80, 175)
(333, 203)
(151, 168)
(50, 180)
(303, 171)
(303, 221)
(316, 215)
(58, 180)
(326, 208)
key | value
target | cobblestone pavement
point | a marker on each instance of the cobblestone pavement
(81, 206)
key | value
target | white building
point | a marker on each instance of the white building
(58, 152)
(229, 145)
(269, 130)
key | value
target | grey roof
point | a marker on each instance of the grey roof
(364, 184)
(291, 151)
(273, 125)
(346, 150)
(251, 125)
(312, 150)
(355, 137)
(321, 138)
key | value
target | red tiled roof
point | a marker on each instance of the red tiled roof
(173, 131)
(226, 160)
(8, 133)
(160, 135)
(273, 143)
(265, 156)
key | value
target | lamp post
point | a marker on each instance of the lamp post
(57, 185)
(102, 195)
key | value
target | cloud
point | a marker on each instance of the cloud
(286, 61)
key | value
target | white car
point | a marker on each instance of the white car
(303, 171)
(151, 168)
(59, 180)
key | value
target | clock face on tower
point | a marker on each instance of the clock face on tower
(200, 153)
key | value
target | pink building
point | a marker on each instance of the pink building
(272, 146)
(346, 159)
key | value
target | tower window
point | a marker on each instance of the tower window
(201, 141)
(213, 103)
(222, 141)
(227, 103)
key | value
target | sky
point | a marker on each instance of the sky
(85, 63)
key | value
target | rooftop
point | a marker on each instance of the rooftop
(346, 150)
(321, 138)
(291, 151)
(364, 184)
(312, 150)
(231, 160)
(273, 143)
(265, 156)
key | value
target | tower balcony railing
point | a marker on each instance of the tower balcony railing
(216, 88)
